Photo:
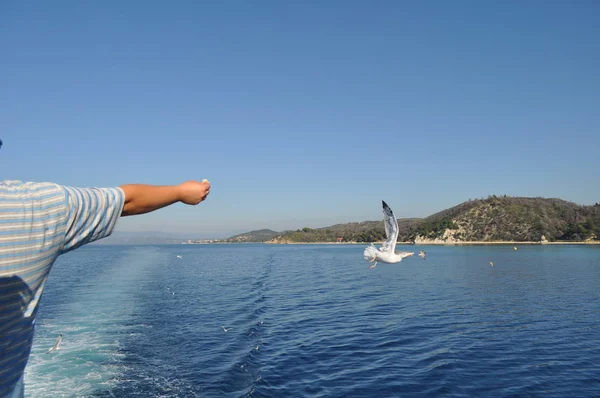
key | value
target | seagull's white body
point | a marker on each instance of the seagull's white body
(56, 345)
(385, 256)
(386, 253)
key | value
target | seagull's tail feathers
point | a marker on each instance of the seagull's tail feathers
(370, 252)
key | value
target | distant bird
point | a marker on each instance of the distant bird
(226, 330)
(386, 253)
(178, 256)
(515, 247)
(491, 263)
(422, 254)
(56, 345)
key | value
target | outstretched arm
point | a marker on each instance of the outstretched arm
(92, 213)
(142, 198)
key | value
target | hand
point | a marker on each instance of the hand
(194, 192)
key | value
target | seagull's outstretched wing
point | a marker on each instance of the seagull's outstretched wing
(391, 229)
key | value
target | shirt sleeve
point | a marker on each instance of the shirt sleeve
(92, 214)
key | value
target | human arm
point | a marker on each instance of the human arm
(142, 198)
(92, 213)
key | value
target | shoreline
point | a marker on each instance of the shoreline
(466, 243)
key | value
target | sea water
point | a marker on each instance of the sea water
(315, 321)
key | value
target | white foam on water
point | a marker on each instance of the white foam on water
(93, 324)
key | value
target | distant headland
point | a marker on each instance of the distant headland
(491, 220)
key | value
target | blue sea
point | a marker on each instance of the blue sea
(315, 321)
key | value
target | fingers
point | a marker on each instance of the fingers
(207, 189)
(193, 191)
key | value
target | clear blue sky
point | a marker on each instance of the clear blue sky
(303, 113)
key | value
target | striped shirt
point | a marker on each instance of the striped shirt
(39, 222)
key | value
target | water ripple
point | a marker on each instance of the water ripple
(315, 321)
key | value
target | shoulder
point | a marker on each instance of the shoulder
(19, 190)
(17, 185)
(16, 188)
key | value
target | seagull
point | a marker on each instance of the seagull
(178, 256)
(422, 254)
(515, 247)
(56, 345)
(386, 253)
(226, 330)
(491, 263)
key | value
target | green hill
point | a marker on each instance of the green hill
(260, 235)
(365, 231)
(514, 218)
(482, 220)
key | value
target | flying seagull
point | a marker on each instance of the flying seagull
(226, 330)
(386, 253)
(56, 345)
(422, 254)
